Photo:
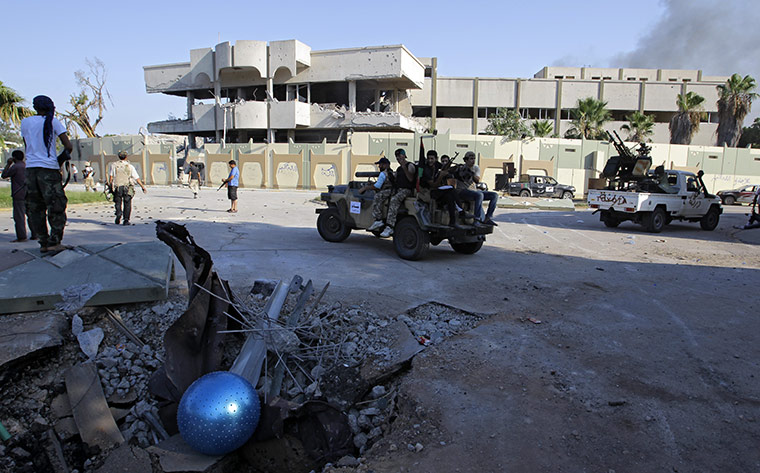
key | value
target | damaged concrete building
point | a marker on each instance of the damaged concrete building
(282, 90)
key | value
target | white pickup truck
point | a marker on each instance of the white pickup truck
(678, 196)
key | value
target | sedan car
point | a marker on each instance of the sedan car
(743, 195)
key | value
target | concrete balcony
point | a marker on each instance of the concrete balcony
(167, 77)
(250, 115)
(292, 55)
(203, 117)
(171, 127)
(289, 115)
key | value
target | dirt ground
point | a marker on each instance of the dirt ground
(600, 349)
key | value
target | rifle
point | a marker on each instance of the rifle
(220, 187)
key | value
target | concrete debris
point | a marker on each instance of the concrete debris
(23, 335)
(94, 420)
(75, 297)
(175, 455)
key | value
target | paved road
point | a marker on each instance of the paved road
(665, 322)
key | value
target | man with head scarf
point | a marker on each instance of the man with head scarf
(45, 199)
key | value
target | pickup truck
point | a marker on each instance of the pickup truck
(540, 186)
(678, 195)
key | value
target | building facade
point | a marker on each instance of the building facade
(282, 90)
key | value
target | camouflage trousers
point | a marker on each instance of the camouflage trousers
(89, 184)
(396, 202)
(46, 203)
(377, 203)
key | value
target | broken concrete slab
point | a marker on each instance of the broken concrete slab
(126, 459)
(91, 414)
(23, 335)
(12, 258)
(123, 270)
(402, 348)
(176, 455)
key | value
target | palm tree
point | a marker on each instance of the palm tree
(640, 127)
(11, 110)
(542, 128)
(685, 123)
(589, 118)
(734, 103)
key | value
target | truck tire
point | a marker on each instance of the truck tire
(655, 221)
(524, 193)
(729, 200)
(467, 248)
(409, 240)
(331, 227)
(710, 220)
(608, 220)
(567, 195)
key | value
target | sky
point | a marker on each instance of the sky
(475, 38)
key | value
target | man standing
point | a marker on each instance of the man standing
(383, 188)
(45, 199)
(468, 175)
(74, 172)
(195, 179)
(89, 181)
(122, 178)
(405, 182)
(232, 182)
(15, 171)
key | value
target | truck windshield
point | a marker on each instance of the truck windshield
(551, 181)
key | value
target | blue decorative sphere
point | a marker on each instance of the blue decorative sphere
(218, 413)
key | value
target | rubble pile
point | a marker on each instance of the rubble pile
(96, 387)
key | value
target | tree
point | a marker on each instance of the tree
(12, 111)
(640, 126)
(734, 103)
(685, 123)
(507, 123)
(588, 119)
(542, 128)
(750, 135)
(92, 98)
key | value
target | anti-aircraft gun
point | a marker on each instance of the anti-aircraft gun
(627, 169)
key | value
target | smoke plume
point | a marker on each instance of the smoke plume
(718, 37)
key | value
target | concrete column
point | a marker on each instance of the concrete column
(240, 93)
(433, 92)
(377, 100)
(475, 88)
(642, 95)
(308, 92)
(190, 101)
(518, 93)
(659, 75)
(352, 96)
(270, 96)
(699, 75)
(558, 109)
(601, 89)
(217, 107)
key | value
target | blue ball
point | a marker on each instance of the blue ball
(218, 413)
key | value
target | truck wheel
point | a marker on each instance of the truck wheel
(524, 193)
(729, 200)
(410, 241)
(567, 195)
(710, 219)
(331, 227)
(655, 221)
(467, 248)
(608, 220)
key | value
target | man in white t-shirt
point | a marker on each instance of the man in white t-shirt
(45, 199)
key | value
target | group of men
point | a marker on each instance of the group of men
(447, 183)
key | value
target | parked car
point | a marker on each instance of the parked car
(540, 186)
(743, 195)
